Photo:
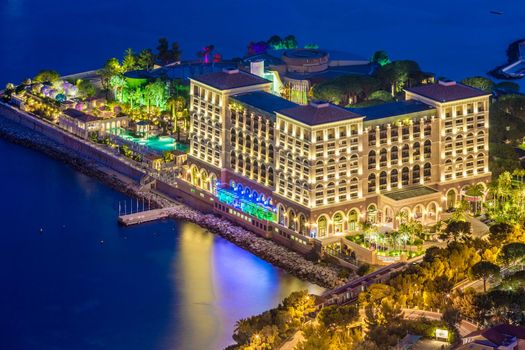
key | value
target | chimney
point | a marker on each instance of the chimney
(319, 104)
(257, 68)
(230, 70)
(446, 82)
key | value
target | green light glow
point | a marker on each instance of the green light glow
(247, 206)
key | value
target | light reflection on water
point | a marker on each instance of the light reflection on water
(221, 284)
(161, 286)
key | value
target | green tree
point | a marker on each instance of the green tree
(451, 316)
(275, 42)
(364, 269)
(499, 233)
(381, 58)
(380, 95)
(163, 50)
(512, 253)
(508, 87)
(86, 88)
(457, 230)
(334, 316)
(46, 76)
(175, 52)
(396, 74)
(477, 191)
(146, 59)
(118, 84)
(484, 270)
(514, 281)
(290, 42)
(110, 69)
(130, 60)
(478, 82)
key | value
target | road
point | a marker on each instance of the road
(464, 327)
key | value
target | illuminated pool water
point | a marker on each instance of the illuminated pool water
(157, 143)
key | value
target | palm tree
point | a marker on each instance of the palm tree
(477, 192)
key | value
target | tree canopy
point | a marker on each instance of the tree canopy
(46, 76)
(381, 58)
(479, 82)
(484, 270)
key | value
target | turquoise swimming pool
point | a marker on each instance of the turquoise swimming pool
(157, 143)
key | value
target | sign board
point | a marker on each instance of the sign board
(441, 334)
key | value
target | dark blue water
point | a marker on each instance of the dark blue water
(449, 37)
(168, 285)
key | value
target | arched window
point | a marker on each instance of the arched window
(405, 153)
(451, 198)
(416, 174)
(382, 180)
(382, 157)
(338, 220)
(394, 178)
(281, 214)
(371, 159)
(427, 149)
(371, 183)
(353, 219)
(394, 155)
(322, 226)
(405, 176)
(417, 149)
(427, 172)
(233, 137)
(291, 219)
(302, 225)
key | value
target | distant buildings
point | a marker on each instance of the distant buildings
(293, 72)
(313, 173)
(501, 337)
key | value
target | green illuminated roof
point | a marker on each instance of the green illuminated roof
(409, 192)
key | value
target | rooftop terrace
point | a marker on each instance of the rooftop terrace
(230, 79)
(317, 113)
(264, 101)
(392, 109)
(409, 192)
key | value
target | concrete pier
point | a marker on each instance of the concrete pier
(144, 216)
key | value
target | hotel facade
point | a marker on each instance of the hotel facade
(307, 175)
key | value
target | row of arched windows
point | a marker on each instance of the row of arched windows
(394, 154)
(468, 164)
(252, 168)
(258, 148)
(396, 178)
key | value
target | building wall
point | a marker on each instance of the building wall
(325, 179)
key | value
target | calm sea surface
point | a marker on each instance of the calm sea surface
(171, 285)
(166, 285)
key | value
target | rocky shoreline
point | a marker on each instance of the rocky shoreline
(325, 275)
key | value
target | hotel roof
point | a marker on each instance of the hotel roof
(317, 113)
(264, 101)
(447, 91)
(230, 79)
(392, 109)
(79, 115)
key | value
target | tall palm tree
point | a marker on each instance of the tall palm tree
(477, 192)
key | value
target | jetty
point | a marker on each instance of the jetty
(144, 216)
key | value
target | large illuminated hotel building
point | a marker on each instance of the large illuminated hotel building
(308, 174)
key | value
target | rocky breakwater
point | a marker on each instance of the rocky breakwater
(294, 263)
